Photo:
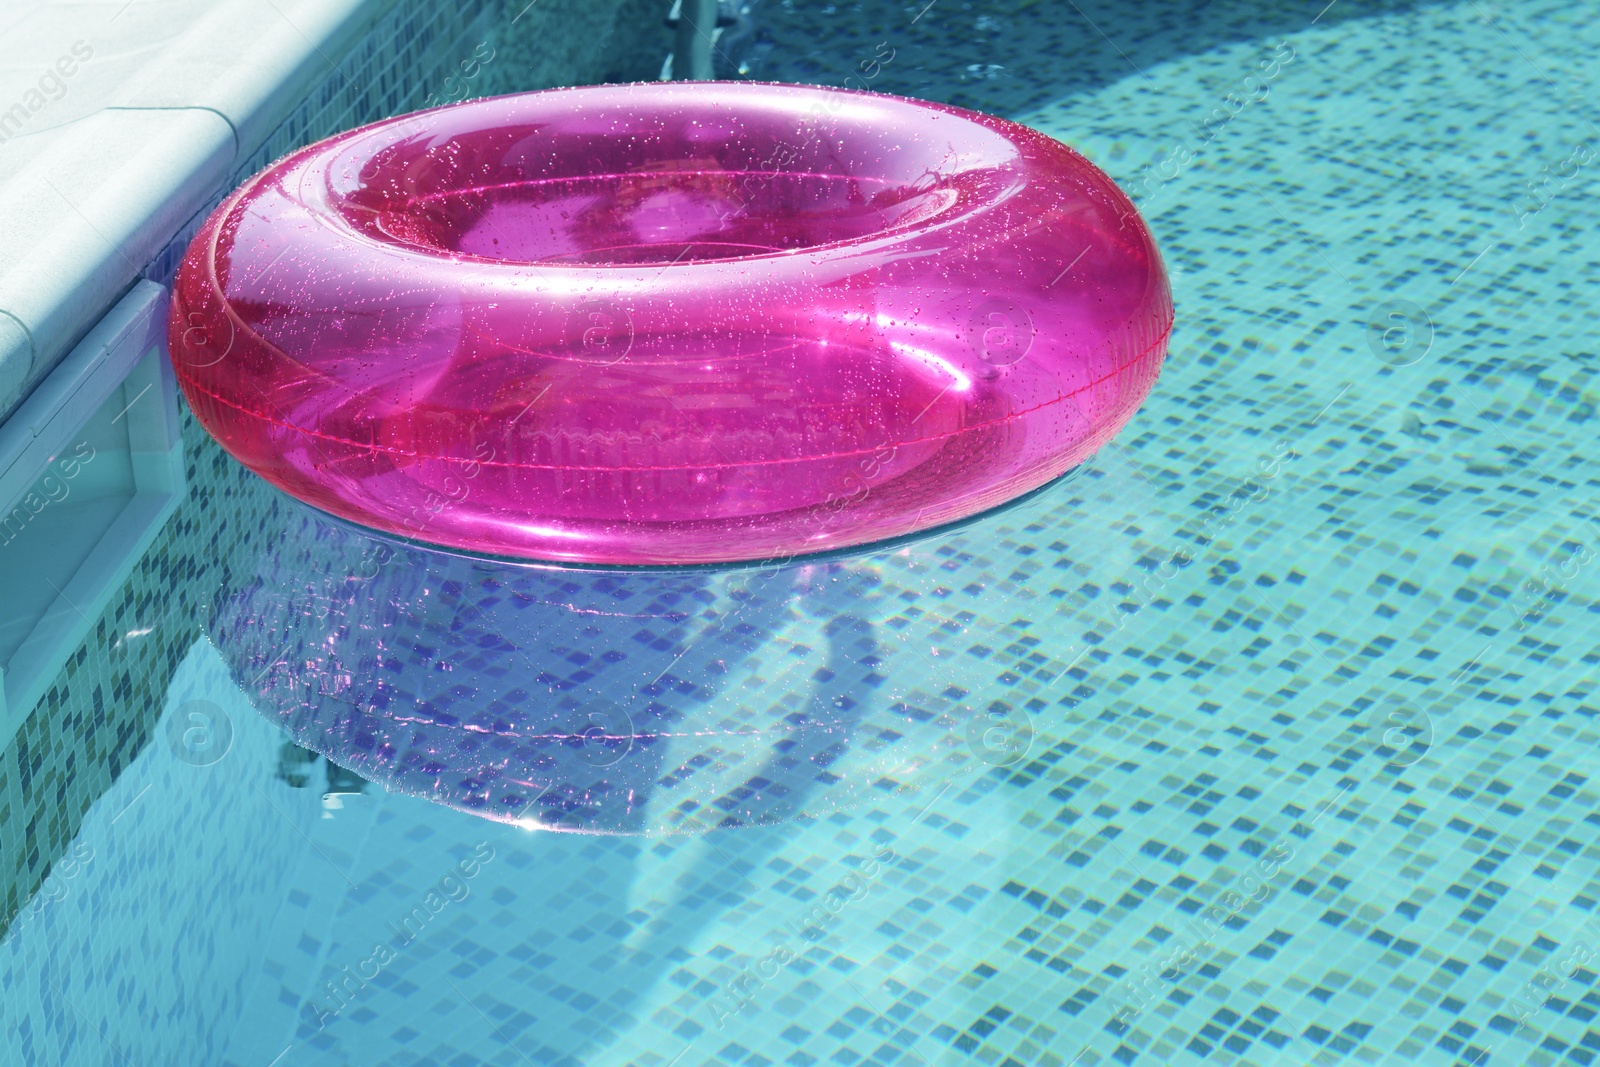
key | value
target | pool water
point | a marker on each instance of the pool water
(1266, 738)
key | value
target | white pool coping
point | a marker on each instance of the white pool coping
(93, 187)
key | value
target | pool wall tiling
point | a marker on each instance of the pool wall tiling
(1304, 663)
(98, 714)
(199, 946)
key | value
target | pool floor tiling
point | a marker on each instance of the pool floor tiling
(1269, 737)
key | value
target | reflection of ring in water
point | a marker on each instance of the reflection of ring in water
(587, 700)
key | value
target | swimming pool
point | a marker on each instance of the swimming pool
(1261, 739)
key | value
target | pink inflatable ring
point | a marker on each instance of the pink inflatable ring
(670, 323)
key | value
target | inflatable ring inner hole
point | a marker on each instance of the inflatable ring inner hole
(766, 184)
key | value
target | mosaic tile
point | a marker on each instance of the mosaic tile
(1303, 662)
(389, 70)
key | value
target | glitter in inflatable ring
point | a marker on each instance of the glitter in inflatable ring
(670, 323)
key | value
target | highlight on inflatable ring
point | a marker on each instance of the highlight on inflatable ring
(676, 323)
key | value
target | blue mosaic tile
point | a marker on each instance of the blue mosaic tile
(1293, 684)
